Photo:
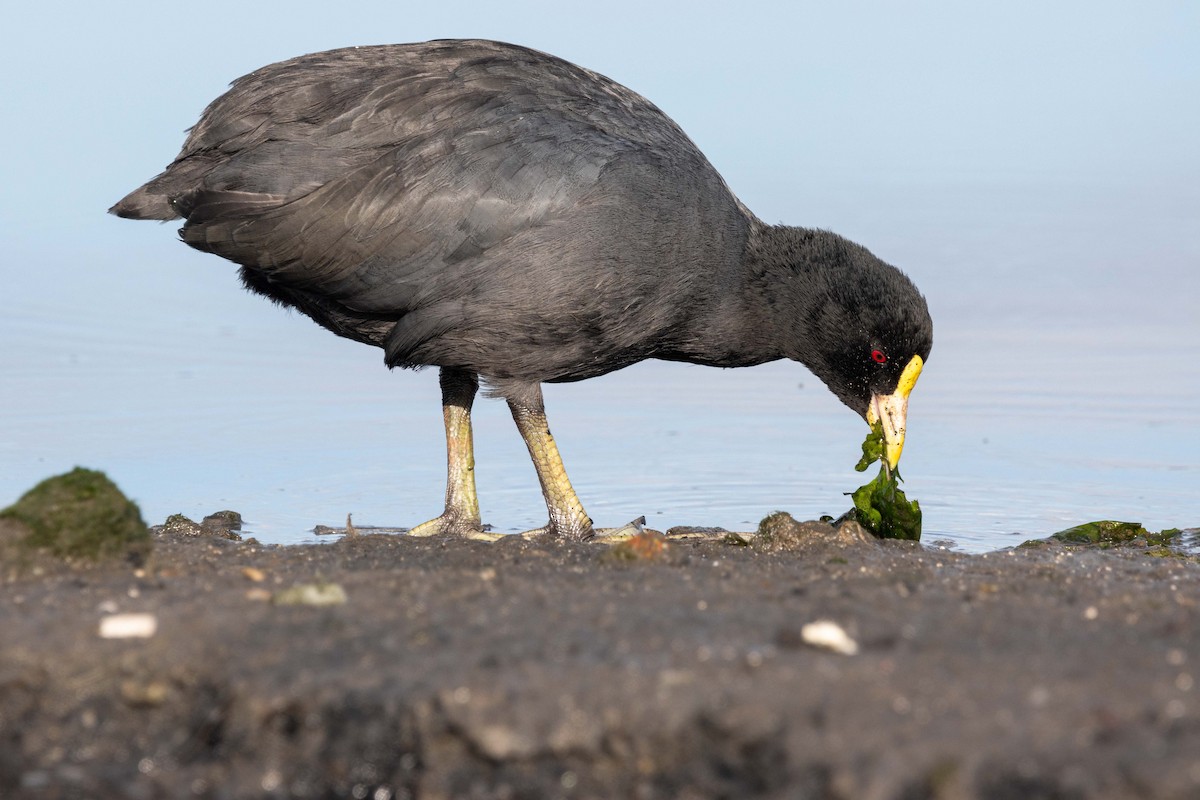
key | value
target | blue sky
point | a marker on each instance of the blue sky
(781, 96)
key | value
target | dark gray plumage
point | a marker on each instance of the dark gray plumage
(506, 215)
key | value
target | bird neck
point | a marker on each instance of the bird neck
(765, 307)
(792, 277)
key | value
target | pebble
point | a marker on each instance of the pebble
(254, 573)
(128, 626)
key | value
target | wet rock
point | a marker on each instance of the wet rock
(695, 530)
(220, 525)
(224, 524)
(780, 531)
(179, 525)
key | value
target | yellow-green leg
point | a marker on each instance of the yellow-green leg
(567, 517)
(462, 503)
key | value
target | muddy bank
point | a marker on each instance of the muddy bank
(460, 669)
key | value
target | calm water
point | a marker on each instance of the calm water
(1064, 386)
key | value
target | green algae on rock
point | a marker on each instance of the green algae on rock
(1106, 533)
(880, 506)
(80, 515)
(1131, 537)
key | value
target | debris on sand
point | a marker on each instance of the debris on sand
(310, 594)
(648, 545)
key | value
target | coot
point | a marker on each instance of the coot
(512, 218)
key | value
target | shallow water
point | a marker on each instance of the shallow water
(1062, 388)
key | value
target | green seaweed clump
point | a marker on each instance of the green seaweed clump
(80, 515)
(1104, 531)
(1112, 533)
(880, 506)
(872, 448)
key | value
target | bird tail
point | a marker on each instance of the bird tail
(156, 199)
(143, 203)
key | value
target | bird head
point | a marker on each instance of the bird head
(874, 376)
(862, 327)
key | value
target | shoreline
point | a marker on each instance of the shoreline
(448, 668)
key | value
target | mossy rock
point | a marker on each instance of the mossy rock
(1106, 533)
(80, 516)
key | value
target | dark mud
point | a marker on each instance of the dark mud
(526, 669)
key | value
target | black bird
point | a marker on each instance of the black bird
(513, 218)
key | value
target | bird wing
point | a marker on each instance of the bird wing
(374, 176)
(382, 234)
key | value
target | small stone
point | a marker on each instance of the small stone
(254, 573)
(128, 626)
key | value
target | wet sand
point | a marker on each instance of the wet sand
(529, 669)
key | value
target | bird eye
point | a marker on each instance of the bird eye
(878, 356)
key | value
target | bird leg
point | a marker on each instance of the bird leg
(567, 517)
(462, 504)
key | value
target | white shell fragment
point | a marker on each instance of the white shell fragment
(128, 626)
(829, 635)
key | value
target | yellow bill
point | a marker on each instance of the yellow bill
(891, 411)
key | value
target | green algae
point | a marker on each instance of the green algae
(1109, 533)
(872, 448)
(81, 516)
(1130, 537)
(880, 506)
(1103, 532)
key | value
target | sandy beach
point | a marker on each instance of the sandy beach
(819, 664)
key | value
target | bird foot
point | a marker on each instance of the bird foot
(455, 526)
(623, 533)
(572, 533)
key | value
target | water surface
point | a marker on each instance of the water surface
(1062, 388)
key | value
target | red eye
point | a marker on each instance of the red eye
(878, 357)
